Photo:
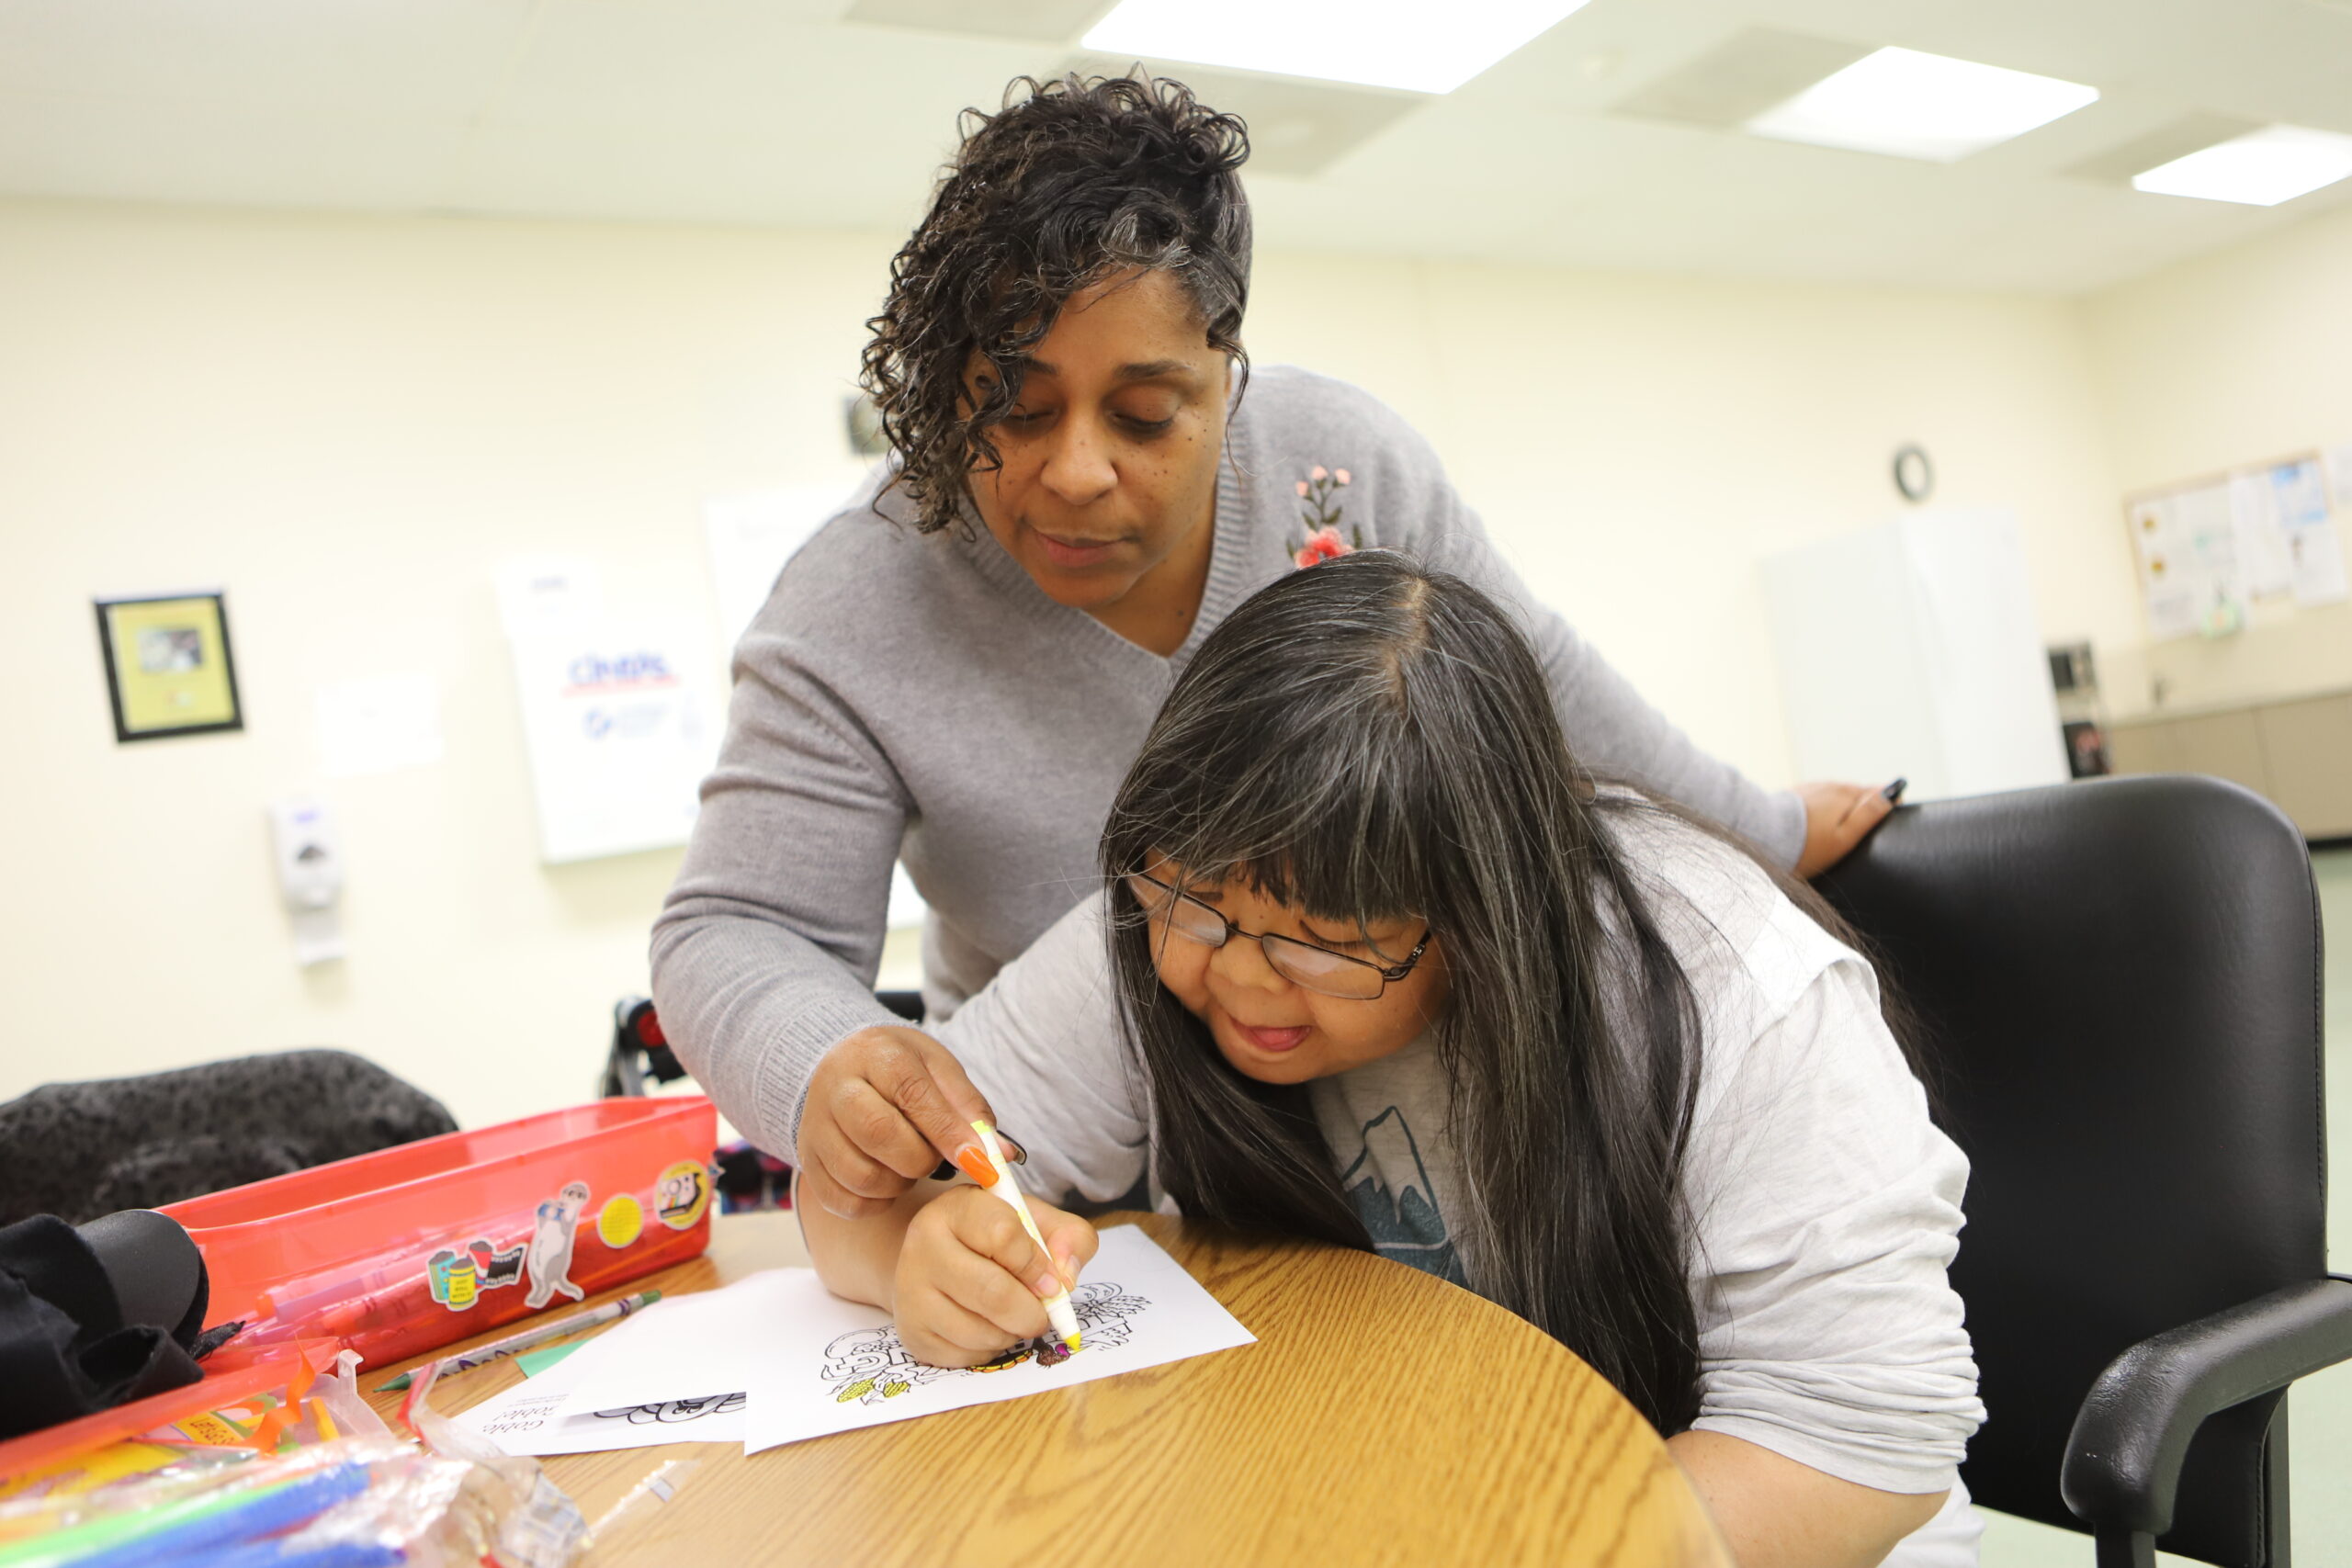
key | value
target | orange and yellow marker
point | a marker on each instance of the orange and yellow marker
(987, 1166)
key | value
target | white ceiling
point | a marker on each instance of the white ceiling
(781, 112)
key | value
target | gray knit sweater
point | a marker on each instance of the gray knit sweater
(918, 698)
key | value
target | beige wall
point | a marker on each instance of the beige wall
(2234, 359)
(350, 422)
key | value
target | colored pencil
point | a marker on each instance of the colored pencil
(530, 1339)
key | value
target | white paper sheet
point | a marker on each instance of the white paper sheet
(688, 1346)
(621, 721)
(525, 1419)
(2262, 554)
(2300, 496)
(2320, 576)
(811, 1363)
(2168, 580)
(543, 594)
(2339, 463)
(839, 1366)
(752, 535)
(2193, 572)
(378, 724)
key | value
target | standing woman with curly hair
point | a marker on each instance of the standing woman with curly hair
(956, 671)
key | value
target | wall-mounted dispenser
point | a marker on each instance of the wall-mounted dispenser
(310, 875)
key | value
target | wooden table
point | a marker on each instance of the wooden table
(1384, 1416)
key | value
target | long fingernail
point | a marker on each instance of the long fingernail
(973, 1161)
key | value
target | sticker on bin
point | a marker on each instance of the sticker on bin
(403, 1250)
(552, 1235)
(620, 1221)
(459, 1277)
(683, 1194)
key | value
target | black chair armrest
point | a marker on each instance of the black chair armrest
(2123, 1464)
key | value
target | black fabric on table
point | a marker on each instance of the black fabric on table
(64, 1351)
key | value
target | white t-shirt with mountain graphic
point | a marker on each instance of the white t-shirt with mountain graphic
(1825, 1204)
(1393, 1148)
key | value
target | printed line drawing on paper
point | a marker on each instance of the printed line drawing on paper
(870, 1365)
(672, 1412)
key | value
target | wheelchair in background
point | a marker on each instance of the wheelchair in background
(641, 1060)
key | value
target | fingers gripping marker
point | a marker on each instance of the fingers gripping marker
(1058, 1310)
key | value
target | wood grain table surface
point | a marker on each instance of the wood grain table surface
(1384, 1416)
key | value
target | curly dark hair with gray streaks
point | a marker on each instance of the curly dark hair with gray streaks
(1073, 182)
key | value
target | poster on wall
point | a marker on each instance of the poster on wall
(2266, 531)
(2267, 565)
(620, 717)
(2314, 550)
(169, 670)
(2186, 544)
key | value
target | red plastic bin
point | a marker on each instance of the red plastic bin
(397, 1252)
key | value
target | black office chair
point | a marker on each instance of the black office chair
(2118, 985)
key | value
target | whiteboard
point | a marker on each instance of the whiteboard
(1912, 649)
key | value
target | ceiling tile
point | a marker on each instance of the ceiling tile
(797, 112)
(1296, 128)
(2176, 138)
(175, 152)
(1045, 21)
(347, 57)
(1741, 77)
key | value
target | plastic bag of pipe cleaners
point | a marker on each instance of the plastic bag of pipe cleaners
(357, 1500)
(347, 1503)
(190, 1451)
(280, 1421)
(539, 1524)
(215, 1502)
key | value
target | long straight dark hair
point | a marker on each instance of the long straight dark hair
(1372, 740)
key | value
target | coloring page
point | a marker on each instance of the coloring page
(838, 1366)
(526, 1419)
(869, 1365)
(808, 1362)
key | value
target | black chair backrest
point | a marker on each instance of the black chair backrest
(2118, 984)
(80, 1150)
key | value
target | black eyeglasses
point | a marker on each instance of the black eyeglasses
(1313, 968)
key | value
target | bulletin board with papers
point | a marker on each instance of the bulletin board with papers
(2208, 549)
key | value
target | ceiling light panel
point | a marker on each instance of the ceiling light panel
(2261, 169)
(1410, 44)
(1912, 105)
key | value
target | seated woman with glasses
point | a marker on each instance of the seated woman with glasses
(1377, 964)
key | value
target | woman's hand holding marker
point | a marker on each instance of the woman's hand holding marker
(971, 1284)
(884, 1108)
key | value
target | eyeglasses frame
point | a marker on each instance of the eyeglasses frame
(1389, 974)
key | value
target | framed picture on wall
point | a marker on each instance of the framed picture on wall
(169, 670)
